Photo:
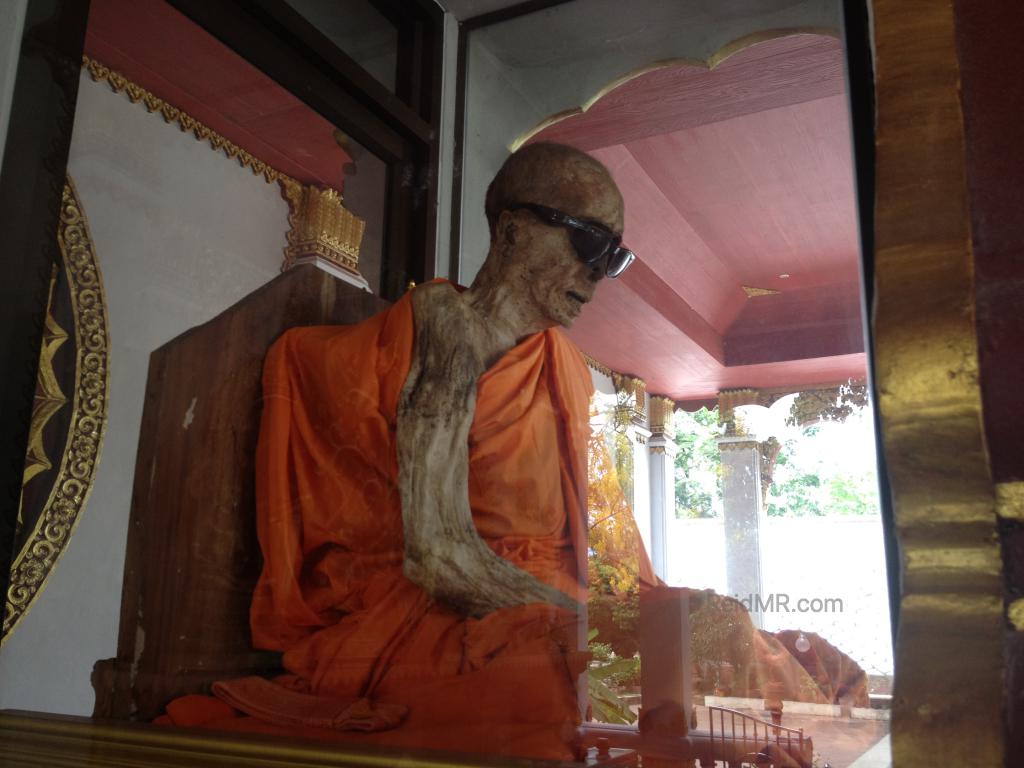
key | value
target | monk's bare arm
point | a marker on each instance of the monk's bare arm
(444, 554)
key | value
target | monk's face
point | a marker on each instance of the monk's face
(553, 283)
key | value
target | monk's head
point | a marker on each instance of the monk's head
(536, 251)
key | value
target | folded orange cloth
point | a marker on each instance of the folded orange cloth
(268, 701)
(198, 710)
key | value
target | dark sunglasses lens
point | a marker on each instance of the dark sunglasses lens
(590, 246)
(620, 259)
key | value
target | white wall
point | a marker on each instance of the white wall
(493, 106)
(446, 148)
(181, 233)
(819, 557)
(12, 21)
(528, 69)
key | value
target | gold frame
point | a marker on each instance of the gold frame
(947, 698)
(53, 740)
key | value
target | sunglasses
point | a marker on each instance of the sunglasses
(591, 240)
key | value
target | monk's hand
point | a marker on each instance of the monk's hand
(473, 580)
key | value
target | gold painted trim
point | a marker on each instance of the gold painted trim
(949, 686)
(52, 398)
(599, 367)
(320, 226)
(1015, 613)
(62, 511)
(1010, 500)
(660, 411)
(136, 93)
(732, 444)
(51, 740)
(714, 60)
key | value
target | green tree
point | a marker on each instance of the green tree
(795, 490)
(698, 473)
(809, 481)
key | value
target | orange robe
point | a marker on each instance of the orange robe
(332, 595)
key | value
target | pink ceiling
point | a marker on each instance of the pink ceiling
(732, 177)
(153, 45)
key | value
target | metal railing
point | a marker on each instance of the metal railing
(754, 734)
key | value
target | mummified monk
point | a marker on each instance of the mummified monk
(421, 493)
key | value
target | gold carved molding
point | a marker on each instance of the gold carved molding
(599, 367)
(630, 396)
(70, 490)
(738, 445)
(1010, 500)
(828, 404)
(948, 689)
(321, 227)
(660, 410)
(731, 399)
(49, 398)
(171, 114)
(55, 740)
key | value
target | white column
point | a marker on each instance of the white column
(662, 458)
(639, 437)
(741, 492)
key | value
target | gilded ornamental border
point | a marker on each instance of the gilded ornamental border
(136, 93)
(80, 457)
(949, 684)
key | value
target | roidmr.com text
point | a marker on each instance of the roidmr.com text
(782, 602)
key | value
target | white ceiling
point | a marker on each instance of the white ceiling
(467, 9)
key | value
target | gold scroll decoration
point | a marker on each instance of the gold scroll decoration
(828, 404)
(660, 418)
(321, 227)
(49, 397)
(948, 689)
(630, 399)
(731, 399)
(70, 489)
(599, 367)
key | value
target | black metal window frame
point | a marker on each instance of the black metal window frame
(856, 36)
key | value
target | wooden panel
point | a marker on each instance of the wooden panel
(813, 322)
(769, 194)
(991, 63)
(192, 555)
(665, 242)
